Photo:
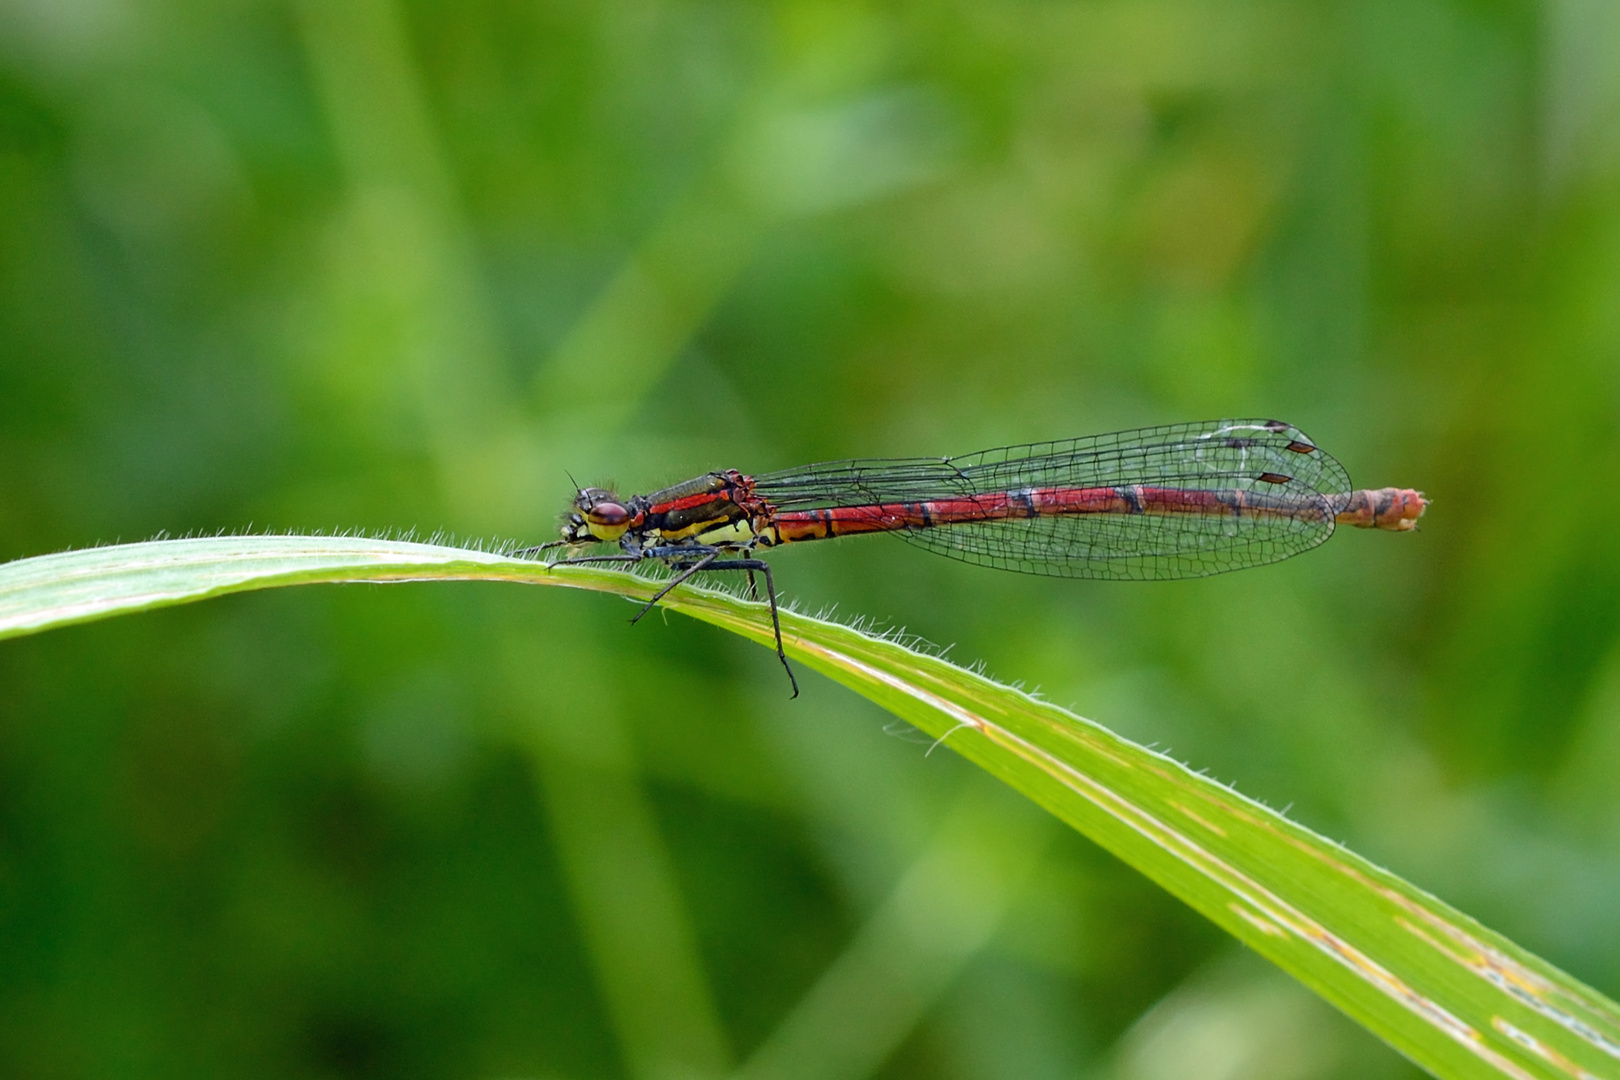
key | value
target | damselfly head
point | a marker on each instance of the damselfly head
(597, 514)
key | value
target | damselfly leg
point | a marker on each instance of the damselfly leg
(750, 565)
(711, 561)
(683, 570)
(678, 558)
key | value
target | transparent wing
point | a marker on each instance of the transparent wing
(1286, 481)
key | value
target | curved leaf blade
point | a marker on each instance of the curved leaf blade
(1453, 996)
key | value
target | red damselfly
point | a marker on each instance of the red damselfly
(1177, 501)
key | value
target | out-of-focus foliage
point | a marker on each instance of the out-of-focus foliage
(382, 264)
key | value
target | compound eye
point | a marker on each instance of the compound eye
(607, 520)
(607, 515)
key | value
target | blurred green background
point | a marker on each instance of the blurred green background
(389, 264)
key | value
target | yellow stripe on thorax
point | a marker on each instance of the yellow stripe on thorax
(726, 532)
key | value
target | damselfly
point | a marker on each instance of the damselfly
(1178, 501)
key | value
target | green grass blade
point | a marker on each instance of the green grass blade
(1455, 997)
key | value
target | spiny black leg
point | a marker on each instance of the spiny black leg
(521, 552)
(776, 621)
(753, 593)
(776, 625)
(680, 554)
(708, 562)
(687, 571)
